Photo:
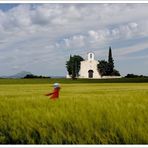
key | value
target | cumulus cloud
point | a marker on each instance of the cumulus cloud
(102, 36)
(39, 33)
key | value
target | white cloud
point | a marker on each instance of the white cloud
(102, 36)
(74, 42)
(37, 33)
(125, 51)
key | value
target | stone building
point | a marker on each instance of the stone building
(88, 68)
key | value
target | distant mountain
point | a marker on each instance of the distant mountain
(21, 74)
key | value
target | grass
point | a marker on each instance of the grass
(86, 113)
(69, 81)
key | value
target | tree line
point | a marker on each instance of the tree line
(30, 76)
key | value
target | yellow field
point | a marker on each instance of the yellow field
(84, 114)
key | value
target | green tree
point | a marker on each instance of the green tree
(110, 60)
(69, 65)
(73, 65)
(103, 68)
(115, 73)
(107, 68)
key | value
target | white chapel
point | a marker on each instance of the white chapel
(88, 68)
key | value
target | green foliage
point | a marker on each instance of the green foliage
(69, 65)
(28, 76)
(115, 73)
(110, 60)
(135, 76)
(107, 68)
(84, 114)
(104, 68)
(73, 65)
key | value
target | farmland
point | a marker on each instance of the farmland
(86, 113)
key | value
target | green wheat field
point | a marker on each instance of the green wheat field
(85, 113)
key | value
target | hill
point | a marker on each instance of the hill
(21, 74)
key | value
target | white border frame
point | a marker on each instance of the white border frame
(72, 1)
(75, 146)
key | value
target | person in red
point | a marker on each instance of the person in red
(55, 94)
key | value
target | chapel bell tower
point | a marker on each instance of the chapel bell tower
(91, 56)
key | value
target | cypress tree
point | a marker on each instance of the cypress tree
(110, 60)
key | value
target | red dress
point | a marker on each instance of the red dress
(54, 94)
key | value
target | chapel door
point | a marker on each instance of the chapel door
(90, 74)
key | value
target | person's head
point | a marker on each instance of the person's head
(56, 85)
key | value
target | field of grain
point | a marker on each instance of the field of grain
(90, 113)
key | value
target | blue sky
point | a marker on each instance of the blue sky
(6, 7)
(40, 37)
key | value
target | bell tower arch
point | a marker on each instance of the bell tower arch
(91, 56)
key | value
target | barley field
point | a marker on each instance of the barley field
(85, 113)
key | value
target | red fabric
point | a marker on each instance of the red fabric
(54, 94)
